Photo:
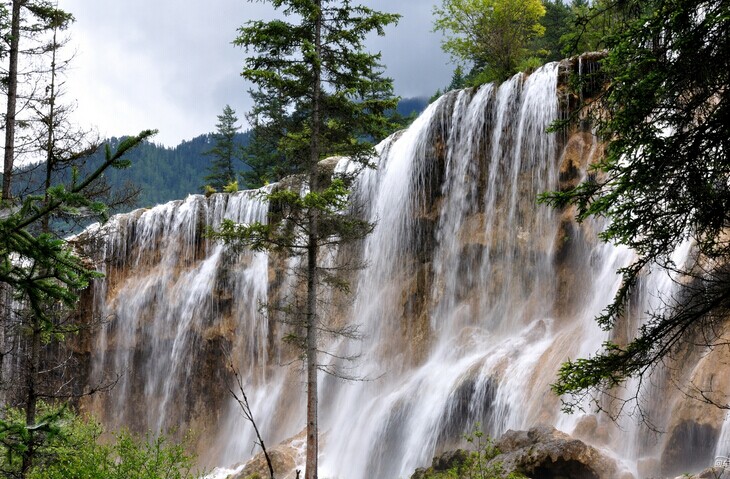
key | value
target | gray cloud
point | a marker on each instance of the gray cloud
(170, 65)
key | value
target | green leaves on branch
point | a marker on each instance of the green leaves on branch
(68, 446)
(288, 229)
(318, 94)
(493, 36)
(665, 178)
(42, 269)
(353, 96)
(225, 152)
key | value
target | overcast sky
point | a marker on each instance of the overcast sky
(170, 65)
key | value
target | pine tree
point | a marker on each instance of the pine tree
(664, 180)
(262, 155)
(30, 20)
(315, 66)
(221, 171)
(45, 274)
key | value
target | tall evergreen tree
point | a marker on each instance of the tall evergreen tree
(314, 63)
(665, 179)
(45, 274)
(221, 171)
(268, 119)
(30, 20)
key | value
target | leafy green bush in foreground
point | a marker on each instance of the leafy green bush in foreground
(67, 446)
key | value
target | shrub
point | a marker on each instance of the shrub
(68, 446)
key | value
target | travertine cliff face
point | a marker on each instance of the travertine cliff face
(473, 297)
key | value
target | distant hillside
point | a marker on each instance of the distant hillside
(164, 174)
(409, 106)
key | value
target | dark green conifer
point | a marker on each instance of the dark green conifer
(313, 64)
(221, 171)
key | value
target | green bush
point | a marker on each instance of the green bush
(68, 446)
(209, 190)
(476, 463)
(231, 187)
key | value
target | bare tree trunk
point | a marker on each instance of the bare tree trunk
(31, 398)
(50, 142)
(34, 353)
(12, 79)
(6, 301)
(12, 99)
(312, 253)
(242, 401)
(312, 393)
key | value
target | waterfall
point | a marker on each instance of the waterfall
(473, 297)
(164, 304)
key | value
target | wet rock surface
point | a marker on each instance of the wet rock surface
(442, 463)
(541, 453)
(546, 453)
(286, 459)
(282, 460)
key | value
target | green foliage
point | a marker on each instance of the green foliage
(226, 151)
(46, 16)
(268, 164)
(231, 187)
(594, 24)
(493, 36)
(41, 269)
(319, 94)
(162, 174)
(262, 155)
(299, 121)
(70, 447)
(286, 67)
(16, 437)
(405, 113)
(665, 178)
(477, 463)
(288, 228)
(559, 22)
(165, 174)
(209, 190)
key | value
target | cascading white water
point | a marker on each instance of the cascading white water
(473, 297)
(160, 307)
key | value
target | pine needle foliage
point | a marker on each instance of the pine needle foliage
(664, 180)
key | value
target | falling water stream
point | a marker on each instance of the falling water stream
(473, 297)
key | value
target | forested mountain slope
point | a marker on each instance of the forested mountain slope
(162, 173)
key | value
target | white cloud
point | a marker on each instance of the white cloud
(170, 65)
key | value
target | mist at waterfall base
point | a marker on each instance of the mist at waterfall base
(473, 297)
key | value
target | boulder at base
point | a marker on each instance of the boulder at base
(540, 453)
(546, 453)
(283, 460)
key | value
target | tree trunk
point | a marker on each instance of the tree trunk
(12, 99)
(312, 393)
(31, 398)
(312, 252)
(50, 142)
(33, 367)
(5, 292)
